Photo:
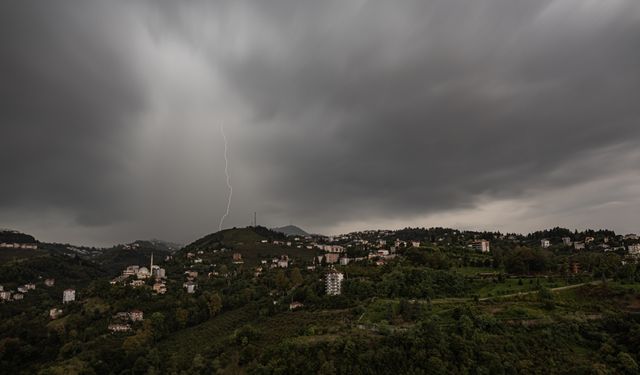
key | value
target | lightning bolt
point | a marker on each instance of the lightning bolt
(226, 172)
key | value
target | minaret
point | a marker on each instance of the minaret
(151, 268)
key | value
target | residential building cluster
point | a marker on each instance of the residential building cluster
(141, 274)
(23, 246)
(21, 291)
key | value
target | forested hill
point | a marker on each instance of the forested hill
(235, 237)
(11, 236)
(118, 257)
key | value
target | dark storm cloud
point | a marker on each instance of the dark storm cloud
(67, 98)
(357, 110)
(393, 110)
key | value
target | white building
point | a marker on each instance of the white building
(136, 315)
(578, 245)
(191, 287)
(331, 258)
(159, 273)
(634, 249)
(5, 295)
(143, 273)
(545, 243)
(119, 327)
(344, 261)
(334, 283)
(137, 283)
(566, 241)
(69, 295)
(160, 288)
(130, 270)
(332, 248)
(55, 313)
(482, 246)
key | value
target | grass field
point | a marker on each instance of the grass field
(473, 271)
(488, 288)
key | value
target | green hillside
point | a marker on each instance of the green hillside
(443, 308)
(234, 237)
(253, 243)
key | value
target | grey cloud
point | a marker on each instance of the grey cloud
(358, 110)
(455, 103)
(67, 98)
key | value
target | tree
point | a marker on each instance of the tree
(182, 317)
(157, 325)
(282, 282)
(627, 363)
(546, 297)
(296, 277)
(214, 303)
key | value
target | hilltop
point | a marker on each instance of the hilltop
(291, 230)
(235, 237)
(13, 236)
(253, 243)
(139, 252)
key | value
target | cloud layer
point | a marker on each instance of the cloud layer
(341, 115)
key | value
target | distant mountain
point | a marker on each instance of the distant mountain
(171, 247)
(291, 230)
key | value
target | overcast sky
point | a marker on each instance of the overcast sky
(511, 115)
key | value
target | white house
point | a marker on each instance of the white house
(69, 295)
(119, 327)
(136, 315)
(55, 313)
(191, 287)
(545, 243)
(634, 249)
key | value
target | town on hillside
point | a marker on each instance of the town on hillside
(242, 292)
